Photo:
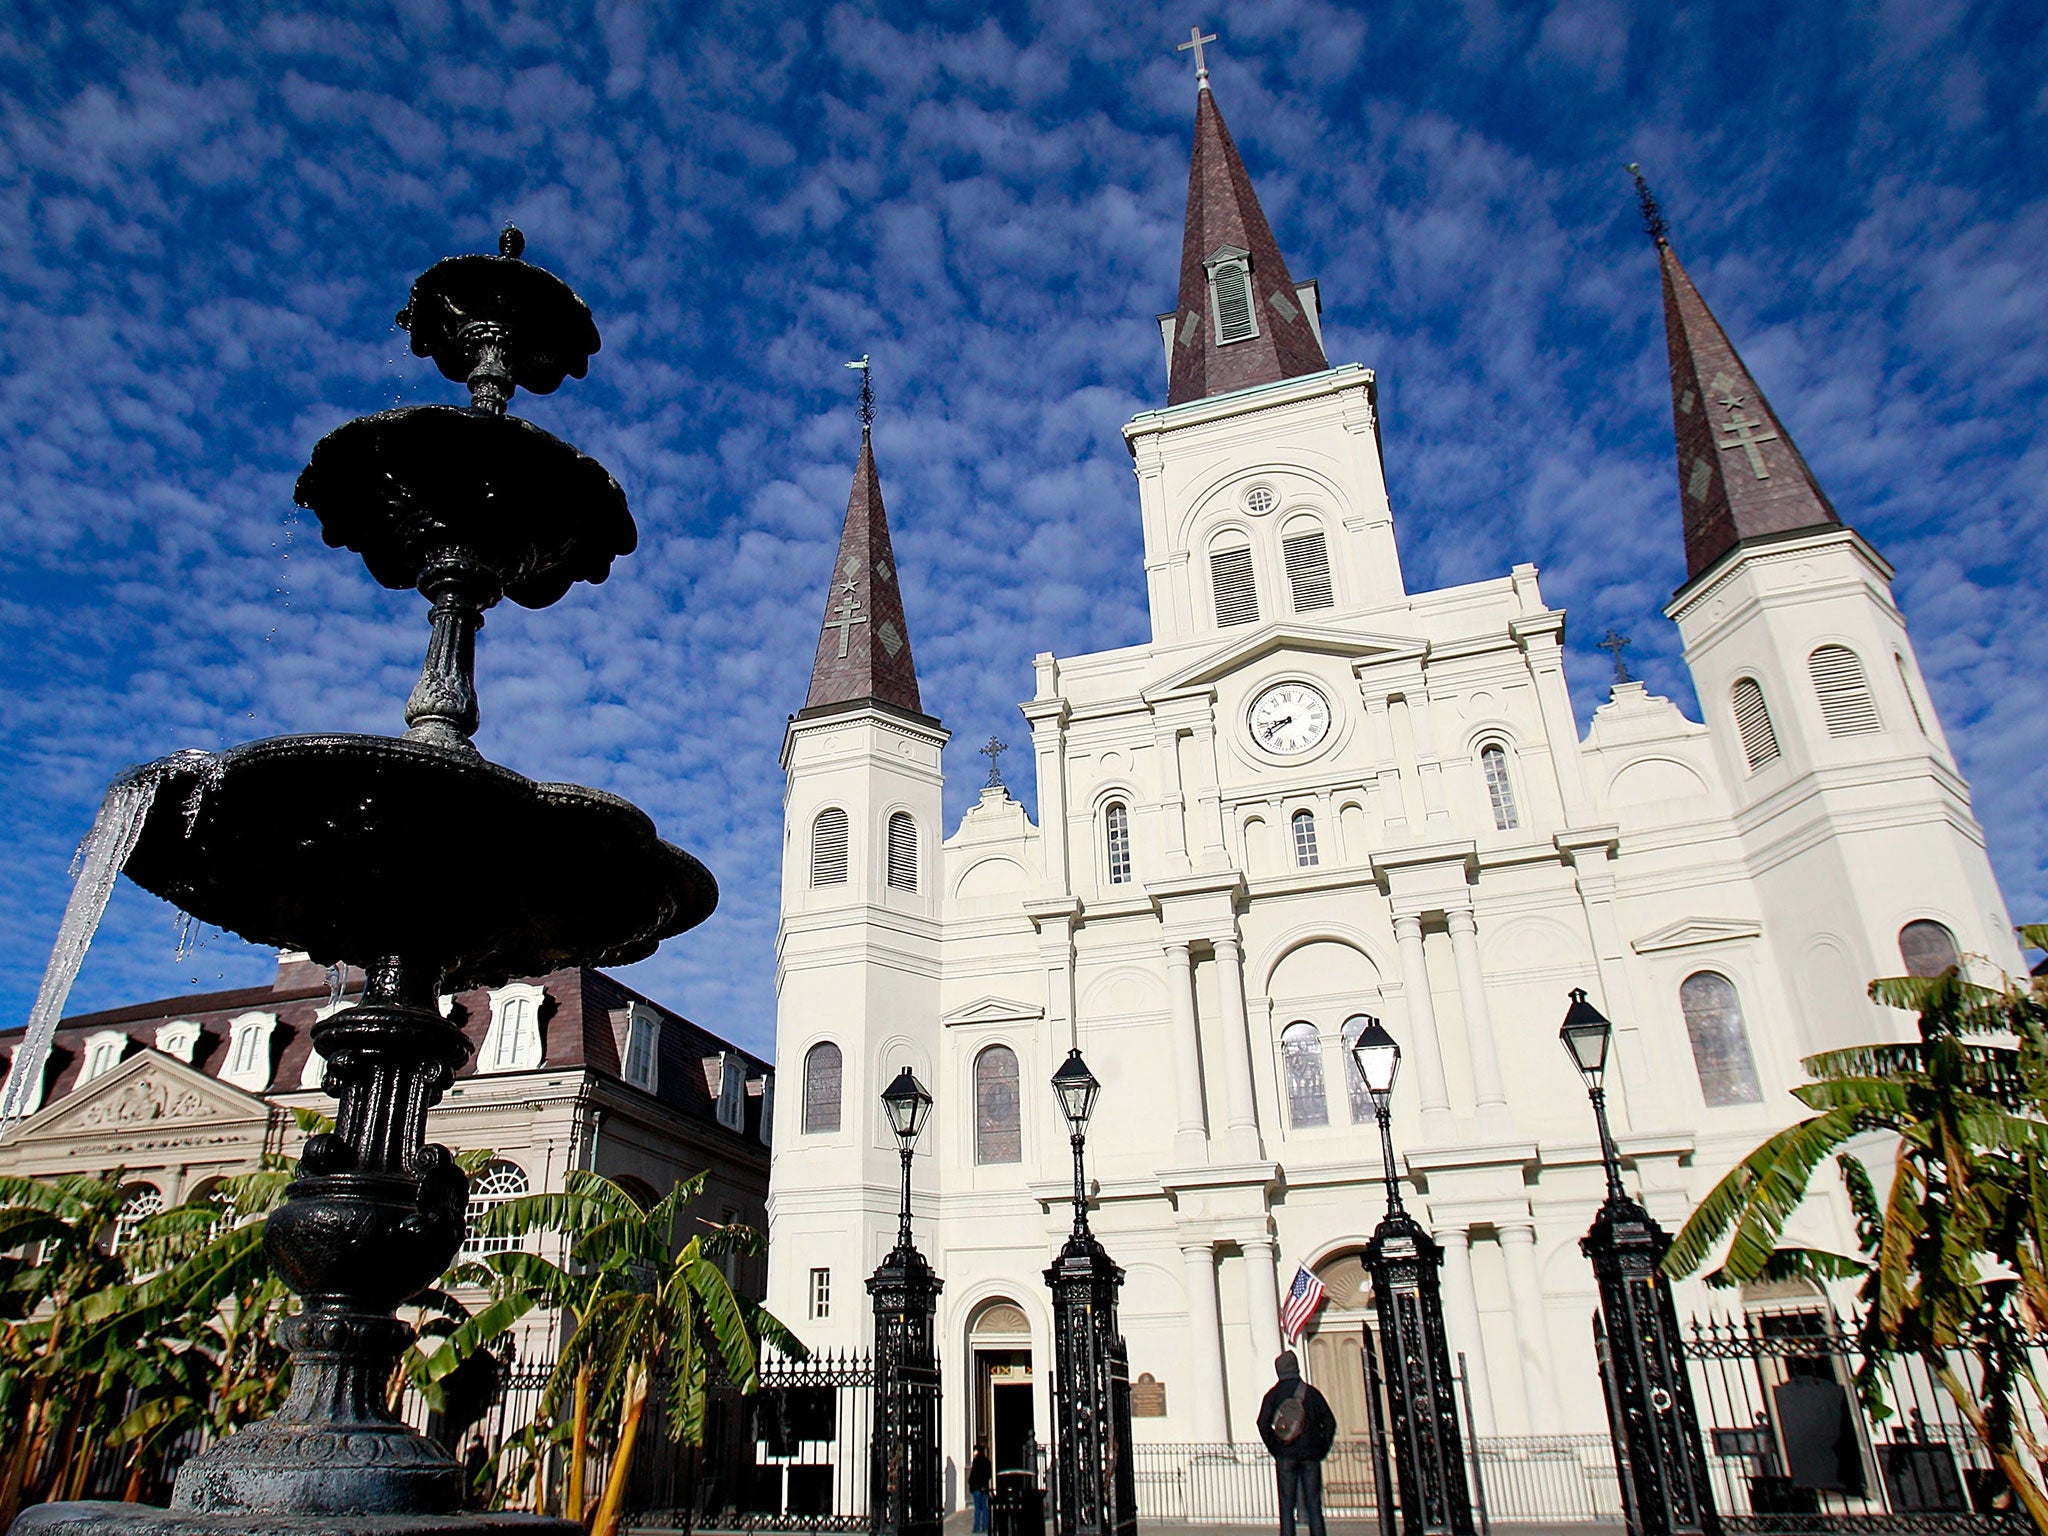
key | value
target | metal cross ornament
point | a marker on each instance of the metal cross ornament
(1614, 644)
(849, 615)
(1742, 433)
(867, 397)
(994, 752)
(1195, 41)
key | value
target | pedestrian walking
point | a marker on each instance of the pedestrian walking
(979, 1474)
(1296, 1423)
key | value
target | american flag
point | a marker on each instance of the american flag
(1303, 1297)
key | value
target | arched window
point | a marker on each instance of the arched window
(1846, 705)
(1304, 824)
(1753, 723)
(1928, 948)
(1301, 1052)
(103, 1053)
(1361, 1097)
(1720, 1044)
(1912, 699)
(1307, 559)
(998, 1114)
(828, 847)
(1116, 832)
(821, 1089)
(1493, 762)
(1237, 591)
(902, 852)
(138, 1204)
(1230, 292)
(500, 1181)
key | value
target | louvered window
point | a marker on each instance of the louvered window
(822, 1073)
(1305, 840)
(902, 852)
(1753, 722)
(1493, 761)
(1308, 571)
(1232, 284)
(828, 848)
(1301, 1053)
(998, 1107)
(1116, 822)
(1845, 702)
(1912, 700)
(1237, 594)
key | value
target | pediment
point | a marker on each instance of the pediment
(994, 1010)
(149, 1092)
(1282, 635)
(1696, 930)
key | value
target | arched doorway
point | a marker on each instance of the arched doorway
(1335, 1349)
(1004, 1413)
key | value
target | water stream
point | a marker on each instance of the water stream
(101, 857)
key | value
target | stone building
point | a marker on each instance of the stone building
(1314, 794)
(569, 1070)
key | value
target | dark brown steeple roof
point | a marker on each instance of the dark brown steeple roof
(1224, 213)
(864, 647)
(1740, 475)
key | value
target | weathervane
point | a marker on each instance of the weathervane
(1195, 41)
(867, 394)
(1653, 216)
(1615, 644)
(994, 752)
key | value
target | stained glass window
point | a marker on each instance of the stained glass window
(998, 1119)
(821, 1089)
(1499, 788)
(1927, 948)
(1720, 1044)
(1361, 1098)
(1301, 1052)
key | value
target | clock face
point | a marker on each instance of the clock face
(1289, 718)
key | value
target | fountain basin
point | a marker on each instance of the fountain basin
(551, 334)
(404, 487)
(354, 848)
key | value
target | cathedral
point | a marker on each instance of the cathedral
(1315, 797)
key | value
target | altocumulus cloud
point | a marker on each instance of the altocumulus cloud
(213, 212)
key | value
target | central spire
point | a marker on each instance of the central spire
(864, 645)
(1242, 320)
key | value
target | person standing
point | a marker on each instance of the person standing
(1296, 1423)
(978, 1476)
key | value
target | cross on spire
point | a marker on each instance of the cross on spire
(867, 397)
(1195, 41)
(1614, 644)
(994, 751)
(1653, 216)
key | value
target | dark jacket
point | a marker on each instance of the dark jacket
(1316, 1433)
(978, 1474)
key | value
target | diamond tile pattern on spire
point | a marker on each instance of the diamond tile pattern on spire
(864, 646)
(1740, 475)
(1223, 210)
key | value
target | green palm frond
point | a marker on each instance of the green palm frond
(1758, 1196)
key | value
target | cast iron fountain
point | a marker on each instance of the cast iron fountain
(427, 866)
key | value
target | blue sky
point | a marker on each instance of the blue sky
(209, 215)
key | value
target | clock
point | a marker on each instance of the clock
(1289, 719)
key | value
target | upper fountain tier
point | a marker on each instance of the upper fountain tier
(494, 322)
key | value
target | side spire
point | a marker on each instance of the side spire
(864, 643)
(1740, 475)
(1242, 321)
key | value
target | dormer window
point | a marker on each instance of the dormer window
(103, 1053)
(1230, 295)
(248, 1060)
(732, 1091)
(642, 1055)
(513, 1043)
(178, 1039)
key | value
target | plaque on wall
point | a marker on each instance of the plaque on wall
(1148, 1397)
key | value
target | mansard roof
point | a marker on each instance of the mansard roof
(1223, 219)
(864, 643)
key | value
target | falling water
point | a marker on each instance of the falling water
(105, 850)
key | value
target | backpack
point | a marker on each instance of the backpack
(1290, 1418)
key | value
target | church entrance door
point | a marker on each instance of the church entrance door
(1007, 1418)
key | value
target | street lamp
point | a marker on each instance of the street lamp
(1429, 1457)
(904, 1489)
(1095, 1490)
(1650, 1413)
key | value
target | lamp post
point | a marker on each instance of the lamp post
(1650, 1412)
(904, 1489)
(1429, 1457)
(1095, 1492)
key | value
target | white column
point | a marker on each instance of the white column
(1461, 1322)
(1208, 1420)
(1173, 825)
(1429, 1051)
(1240, 1107)
(1262, 1297)
(1191, 1138)
(1208, 798)
(1532, 1325)
(1487, 1089)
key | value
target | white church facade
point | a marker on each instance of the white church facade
(1315, 794)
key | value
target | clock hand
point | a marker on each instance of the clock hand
(1275, 725)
